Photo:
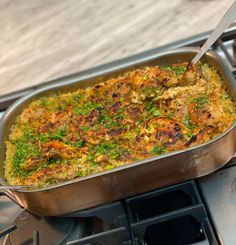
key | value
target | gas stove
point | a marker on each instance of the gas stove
(200, 211)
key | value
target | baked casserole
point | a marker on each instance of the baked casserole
(137, 115)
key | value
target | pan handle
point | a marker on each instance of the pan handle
(14, 187)
(4, 191)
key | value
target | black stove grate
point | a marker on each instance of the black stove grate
(183, 230)
(185, 221)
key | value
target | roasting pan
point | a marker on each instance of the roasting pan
(131, 179)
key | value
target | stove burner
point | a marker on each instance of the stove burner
(51, 230)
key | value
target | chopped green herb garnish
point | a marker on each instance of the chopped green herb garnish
(59, 134)
(158, 150)
(187, 122)
(108, 167)
(200, 101)
(225, 97)
(178, 70)
(85, 128)
(146, 77)
(79, 143)
(156, 113)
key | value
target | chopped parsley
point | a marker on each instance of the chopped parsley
(187, 122)
(79, 143)
(85, 128)
(153, 110)
(158, 150)
(85, 109)
(25, 148)
(111, 149)
(200, 101)
(107, 121)
(178, 70)
(59, 134)
(156, 113)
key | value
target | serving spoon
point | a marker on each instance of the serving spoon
(226, 20)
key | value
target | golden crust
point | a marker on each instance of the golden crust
(140, 114)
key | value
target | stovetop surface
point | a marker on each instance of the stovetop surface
(203, 211)
(219, 193)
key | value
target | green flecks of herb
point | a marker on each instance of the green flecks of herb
(146, 77)
(112, 150)
(225, 97)
(43, 102)
(150, 91)
(59, 134)
(76, 97)
(120, 110)
(178, 70)
(93, 164)
(102, 118)
(189, 136)
(85, 128)
(158, 150)
(108, 167)
(79, 143)
(49, 162)
(187, 122)
(119, 116)
(107, 121)
(102, 148)
(200, 101)
(91, 157)
(80, 173)
(154, 91)
(60, 108)
(96, 127)
(122, 99)
(151, 108)
(23, 151)
(149, 105)
(127, 126)
(67, 101)
(76, 111)
(85, 109)
(42, 138)
(115, 153)
(156, 113)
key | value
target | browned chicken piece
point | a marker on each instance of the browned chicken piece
(56, 149)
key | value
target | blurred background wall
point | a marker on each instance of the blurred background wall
(43, 40)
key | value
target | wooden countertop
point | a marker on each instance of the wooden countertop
(43, 40)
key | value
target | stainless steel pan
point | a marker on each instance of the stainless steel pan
(131, 179)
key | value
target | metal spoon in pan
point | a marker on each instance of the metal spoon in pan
(227, 19)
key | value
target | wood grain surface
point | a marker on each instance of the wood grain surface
(43, 40)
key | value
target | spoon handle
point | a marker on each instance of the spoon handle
(227, 19)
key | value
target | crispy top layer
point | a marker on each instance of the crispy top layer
(137, 115)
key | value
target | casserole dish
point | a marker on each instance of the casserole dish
(130, 179)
